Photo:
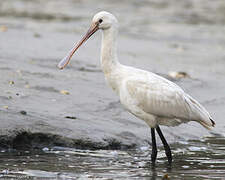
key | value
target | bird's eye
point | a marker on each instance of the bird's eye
(100, 21)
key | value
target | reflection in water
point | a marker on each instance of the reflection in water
(193, 160)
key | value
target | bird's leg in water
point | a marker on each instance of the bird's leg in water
(154, 147)
(165, 144)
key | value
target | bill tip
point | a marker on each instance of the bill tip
(60, 67)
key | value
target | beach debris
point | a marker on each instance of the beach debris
(64, 92)
(27, 86)
(11, 82)
(23, 112)
(178, 47)
(6, 107)
(166, 176)
(178, 74)
(37, 35)
(70, 117)
(3, 28)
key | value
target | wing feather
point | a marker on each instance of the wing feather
(165, 99)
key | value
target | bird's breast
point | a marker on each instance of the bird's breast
(113, 83)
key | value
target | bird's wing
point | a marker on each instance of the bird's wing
(163, 98)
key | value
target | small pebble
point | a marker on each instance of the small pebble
(70, 117)
(64, 92)
(23, 112)
(178, 75)
(11, 82)
(37, 35)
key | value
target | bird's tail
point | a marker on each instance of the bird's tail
(208, 124)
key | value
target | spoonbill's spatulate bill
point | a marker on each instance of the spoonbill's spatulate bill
(146, 95)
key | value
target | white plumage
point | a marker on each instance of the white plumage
(157, 100)
(148, 96)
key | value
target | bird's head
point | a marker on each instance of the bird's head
(102, 20)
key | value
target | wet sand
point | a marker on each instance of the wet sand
(36, 38)
(41, 106)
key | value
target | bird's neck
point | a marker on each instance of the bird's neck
(109, 61)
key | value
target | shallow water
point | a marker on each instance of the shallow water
(202, 159)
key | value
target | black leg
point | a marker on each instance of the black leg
(154, 148)
(165, 144)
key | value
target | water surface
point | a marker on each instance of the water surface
(202, 159)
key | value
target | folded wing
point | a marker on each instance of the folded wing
(165, 99)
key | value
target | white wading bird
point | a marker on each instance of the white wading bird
(146, 95)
